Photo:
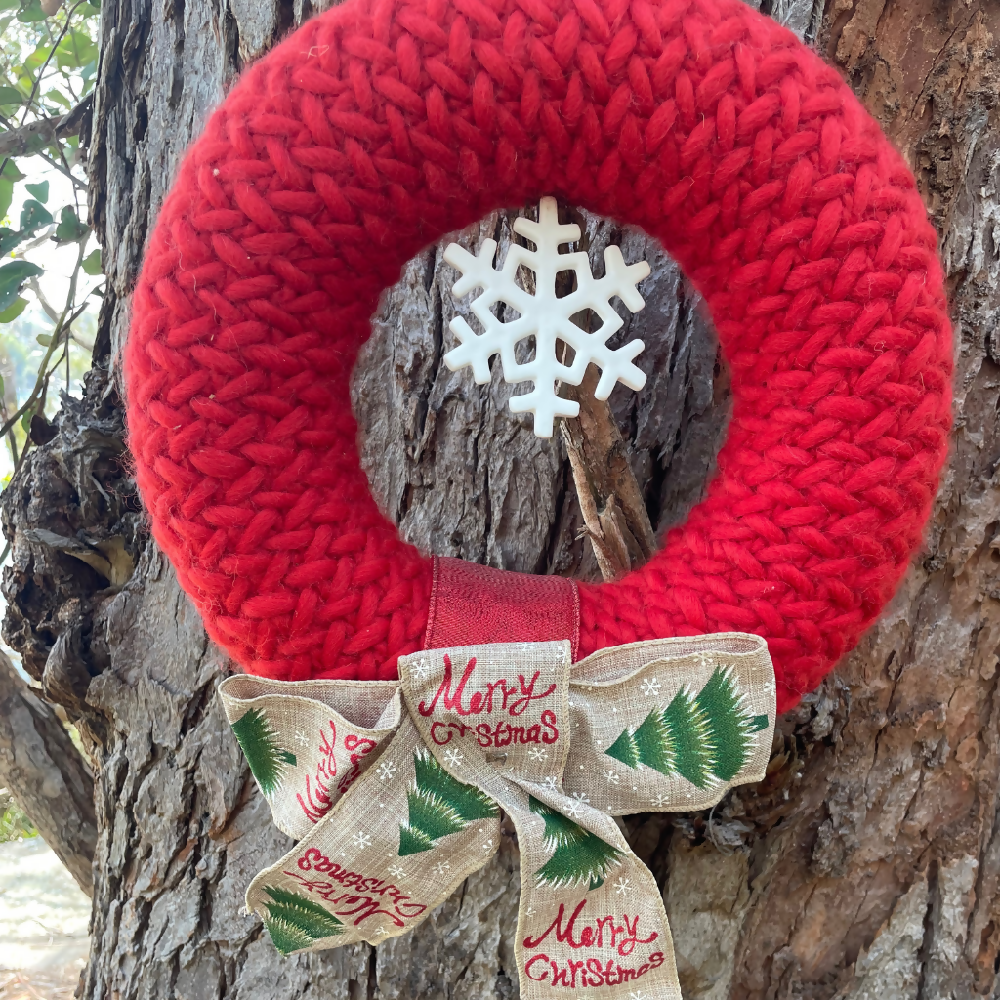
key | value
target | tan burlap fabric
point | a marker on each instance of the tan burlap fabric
(394, 791)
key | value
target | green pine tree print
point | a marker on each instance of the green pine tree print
(438, 805)
(259, 743)
(295, 921)
(578, 856)
(705, 738)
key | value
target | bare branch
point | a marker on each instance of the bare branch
(27, 138)
(611, 502)
(47, 775)
(47, 306)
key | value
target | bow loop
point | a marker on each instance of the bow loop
(307, 742)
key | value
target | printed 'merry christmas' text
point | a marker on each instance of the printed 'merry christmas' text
(366, 896)
(590, 970)
(502, 695)
(607, 932)
(599, 933)
(317, 801)
(501, 735)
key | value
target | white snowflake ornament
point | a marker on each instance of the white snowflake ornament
(546, 317)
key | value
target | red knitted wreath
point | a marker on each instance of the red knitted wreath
(383, 124)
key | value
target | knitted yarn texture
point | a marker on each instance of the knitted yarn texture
(382, 125)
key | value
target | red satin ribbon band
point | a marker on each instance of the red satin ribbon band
(473, 604)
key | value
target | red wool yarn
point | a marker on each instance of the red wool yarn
(382, 125)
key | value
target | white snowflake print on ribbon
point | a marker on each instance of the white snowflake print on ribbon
(546, 317)
(624, 886)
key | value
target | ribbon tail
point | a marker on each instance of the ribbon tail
(374, 867)
(591, 914)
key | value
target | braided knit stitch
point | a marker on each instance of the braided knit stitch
(383, 124)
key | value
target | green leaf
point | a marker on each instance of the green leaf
(44, 339)
(8, 178)
(8, 316)
(70, 227)
(34, 215)
(33, 62)
(75, 50)
(61, 99)
(32, 12)
(9, 238)
(26, 422)
(39, 191)
(9, 4)
(92, 263)
(10, 95)
(12, 277)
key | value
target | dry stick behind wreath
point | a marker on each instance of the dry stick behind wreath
(612, 505)
(611, 502)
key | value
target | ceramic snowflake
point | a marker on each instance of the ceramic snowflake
(546, 317)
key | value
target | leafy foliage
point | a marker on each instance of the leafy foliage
(14, 824)
(578, 855)
(48, 64)
(439, 804)
(12, 278)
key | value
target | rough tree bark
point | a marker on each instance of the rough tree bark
(46, 775)
(867, 863)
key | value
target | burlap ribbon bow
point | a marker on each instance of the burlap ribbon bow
(394, 791)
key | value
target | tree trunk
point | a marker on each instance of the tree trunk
(867, 863)
(46, 775)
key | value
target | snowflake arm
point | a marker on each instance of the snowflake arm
(620, 279)
(545, 403)
(477, 271)
(475, 350)
(547, 234)
(546, 317)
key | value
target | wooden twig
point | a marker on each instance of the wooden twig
(611, 502)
